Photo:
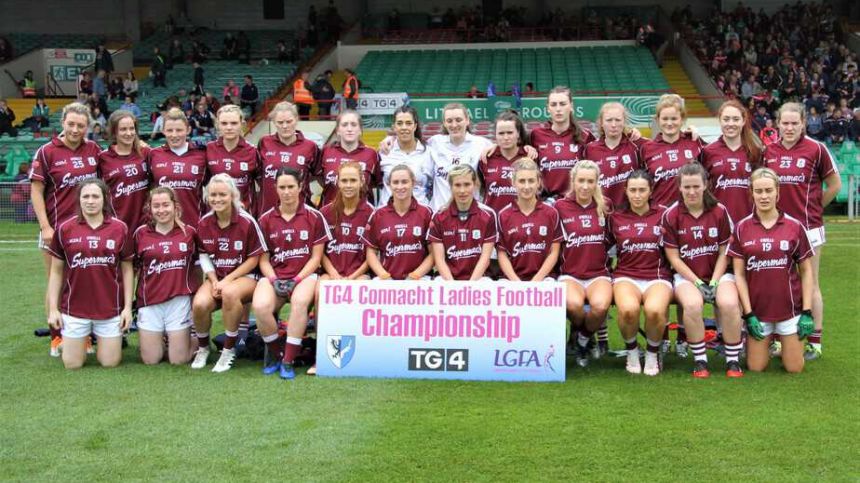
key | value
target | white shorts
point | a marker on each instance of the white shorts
(425, 277)
(786, 327)
(77, 328)
(679, 279)
(546, 279)
(168, 316)
(42, 244)
(642, 285)
(584, 283)
(816, 237)
(482, 279)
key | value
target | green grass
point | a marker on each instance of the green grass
(169, 423)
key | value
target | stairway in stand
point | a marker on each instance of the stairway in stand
(683, 86)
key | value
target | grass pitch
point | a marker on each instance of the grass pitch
(169, 423)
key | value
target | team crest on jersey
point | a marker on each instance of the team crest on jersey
(626, 159)
(243, 166)
(657, 230)
(195, 170)
(359, 231)
(574, 148)
(688, 154)
(303, 235)
(783, 244)
(712, 232)
(476, 234)
(801, 162)
(601, 221)
(542, 231)
(301, 160)
(237, 245)
(91, 160)
(416, 230)
(110, 244)
(183, 247)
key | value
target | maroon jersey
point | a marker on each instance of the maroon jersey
(229, 247)
(127, 178)
(463, 240)
(345, 249)
(92, 280)
(528, 239)
(331, 159)
(557, 154)
(185, 174)
(771, 256)
(698, 240)
(61, 170)
(290, 243)
(242, 164)
(615, 165)
(164, 264)
(584, 252)
(498, 174)
(729, 172)
(663, 160)
(801, 171)
(401, 240)
(302, 155)
(638, 240)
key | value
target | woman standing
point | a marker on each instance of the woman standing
(286, 147)
(729, 160)
(395, 239)
(802, 164)
(230, 244)
(529, 232)
(180, 165)
(347, 217)
(584, 255)
(772, 261)
(164, 252)
(462, 236)
(498, 169)
(559, 143)
(295, 235)
(641, 276)
(671, 149)
(58, 168)
(696, 231)
(91, 280)
(122, 166)
(347, 146)
(232, 155)
(615, 153)
(409, 150)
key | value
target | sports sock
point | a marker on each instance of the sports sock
(682, 334)
(582, 338)
(273, 344)
(55, 333)
(631, 344)
(203, 340)
(815, 339)
(654, 347)
(230, 339)
(603, 333)
(292, 349)
(700, 352)
(243, 330)
(732, 351)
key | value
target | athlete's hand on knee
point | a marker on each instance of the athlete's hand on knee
(55, 319)
(805, 325)
(754, 327)
(125, 319)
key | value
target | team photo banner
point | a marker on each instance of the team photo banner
(508, 331)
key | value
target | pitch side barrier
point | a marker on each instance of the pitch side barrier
(510, 331)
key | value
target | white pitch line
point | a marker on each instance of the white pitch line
(18, 241)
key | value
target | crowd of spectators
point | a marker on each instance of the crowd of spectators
(766, 60)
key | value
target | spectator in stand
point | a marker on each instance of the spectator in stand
(302, 97)
(323, 93)
(98, 117)
(85, 83)
(176, 53)
(474, 93)
(769, 134)
(115, 88)
(158, 69)
(7, 116)
(130, 85)
(750, 88)
(250, 95)
(131, 107)
(40, 116)
(854, 127)
(350, 89)
(211, 103)
(283, 53)
(230, 90)
(28, 85)
(230, 51)
(243, 48)
(836, 127)
(202, 122)
(760, 118)
(815, 124)
(104, 61)
(199, 52)
(198, 79)
(655, 42)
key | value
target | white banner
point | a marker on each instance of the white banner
(513, 331)
(381, 103)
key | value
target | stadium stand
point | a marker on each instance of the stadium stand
(263, 43)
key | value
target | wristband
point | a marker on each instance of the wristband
(806, 312)
(297, 279)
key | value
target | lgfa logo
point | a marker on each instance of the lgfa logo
(340, 349)
(525, 359)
